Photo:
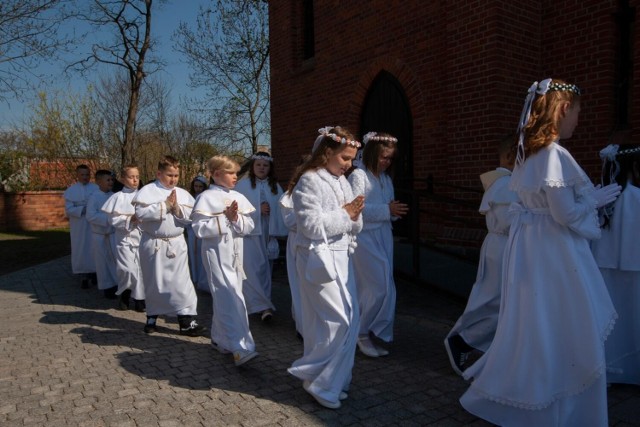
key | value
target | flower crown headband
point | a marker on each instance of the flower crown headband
(546, 85)
(610, 154)
(325, 132)
(261, 157)
(373, 136)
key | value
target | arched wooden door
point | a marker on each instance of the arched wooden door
(386, 109)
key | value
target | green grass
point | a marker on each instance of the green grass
(22, 249)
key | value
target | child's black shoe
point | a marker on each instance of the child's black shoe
(190, 327)
(139, 305)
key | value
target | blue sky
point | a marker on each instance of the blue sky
(166, 18)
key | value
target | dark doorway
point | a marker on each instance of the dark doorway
(386, 109)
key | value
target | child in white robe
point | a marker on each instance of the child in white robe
(545, 365)
(122, 217)
(103, 244)
(618, 256)
(220, 219)
(289, 218)
(196, 266)
(75, 208)
(327, 214)
(476, 326)
(163, 211)
(260, 186)
(373, 257)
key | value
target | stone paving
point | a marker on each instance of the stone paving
(68, 357)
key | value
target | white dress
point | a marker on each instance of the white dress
(163, 251)
(478, 322)
(103, 240)
(120, 211)
(373, 257)
(329, 310)
(546, 364)
(289, 218)
(221, 249)
(257, 285)
(75, 204)
(617, 254)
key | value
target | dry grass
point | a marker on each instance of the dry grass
(24, 249)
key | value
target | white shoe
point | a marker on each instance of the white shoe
(381, 351)
(241, 357)
(367, 348)
(324, 402)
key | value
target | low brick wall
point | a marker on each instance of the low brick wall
(32, 210)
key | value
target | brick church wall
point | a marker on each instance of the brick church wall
(32, 210)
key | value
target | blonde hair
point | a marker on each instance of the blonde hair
(127, 168)
(546, 113)
(221, 163)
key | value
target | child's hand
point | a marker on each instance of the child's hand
(398, 209)
(231, 212)
(172, 202)
(354, 207)
(265, 209)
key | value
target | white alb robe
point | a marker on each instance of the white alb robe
(257, 285)
(373, 257)
(75, 204)
(163, 251)
(329, 310)
(221, 250)
(618, 256)
(477, 325)
(546, 364)
(289, 218)
(120, 211)
(103, 240)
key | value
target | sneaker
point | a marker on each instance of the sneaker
(267, 315)
(458, 352)
(218, 347)
(324, 402)
(193, 330)
(367, 348)
(241, 357)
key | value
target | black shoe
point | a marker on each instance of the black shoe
(94, 278)
(266, 316)
(139, 305)
(123, 304)
(190, 327)
(151, 325)
(458, 352)
(84, 284)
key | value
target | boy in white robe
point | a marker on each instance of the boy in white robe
(477, 325)
(163, 211)
(260, 186)
(103, 237)
(221, 218)
(75, 208)
(121, 215)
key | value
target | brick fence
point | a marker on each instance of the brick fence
(32, 210)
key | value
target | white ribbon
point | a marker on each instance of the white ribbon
(535, 89)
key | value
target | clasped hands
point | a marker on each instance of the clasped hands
(354, 207)
(172, 204)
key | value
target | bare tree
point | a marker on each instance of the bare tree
(29, 32)
(229, 52)
(132, 42)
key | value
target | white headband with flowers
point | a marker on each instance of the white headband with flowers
(325, 133)
(373, 136)
(261, 157)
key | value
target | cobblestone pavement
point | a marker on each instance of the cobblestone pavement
(68, 357)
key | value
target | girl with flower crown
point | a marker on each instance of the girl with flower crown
(327, 216)
(545, 366)
(261, 187)
(617, 256)
(373, 257)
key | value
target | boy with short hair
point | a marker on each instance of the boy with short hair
(75, 208)
(164, 210)
(103, 244)
(122, 217)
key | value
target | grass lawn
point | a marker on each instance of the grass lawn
(23, 249)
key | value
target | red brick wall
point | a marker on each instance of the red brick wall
(465, 67)
(32, 210)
